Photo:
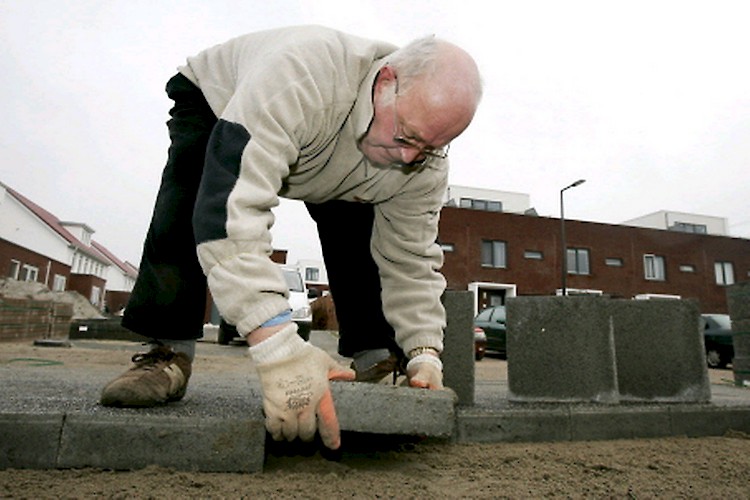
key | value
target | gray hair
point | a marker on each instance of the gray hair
(415, 60)
(418, 60)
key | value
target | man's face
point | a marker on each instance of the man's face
(406, 128)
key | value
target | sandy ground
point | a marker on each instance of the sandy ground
(717, 467)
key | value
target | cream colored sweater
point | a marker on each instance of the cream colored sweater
(292, 103)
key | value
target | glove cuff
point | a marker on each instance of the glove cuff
(281, 345)
(425, 358)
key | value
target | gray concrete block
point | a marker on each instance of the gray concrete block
(621, 422)
(560, 349)
(738, 301)
(659, 351)
(458, 354)
(741, 336)
(389, 409)
(706, 420)
(514, 426)
(29, 441)
(206, 444)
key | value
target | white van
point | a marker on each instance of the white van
(299, 301)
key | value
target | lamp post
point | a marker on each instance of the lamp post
(562, 236)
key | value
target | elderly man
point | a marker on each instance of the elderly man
(357, 129)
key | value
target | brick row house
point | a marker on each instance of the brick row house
(495, 246)
(37, 246)
(498, 254)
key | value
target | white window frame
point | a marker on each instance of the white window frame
(29, 273)
(654, 267)
(579, 261)
(59, 282)
(494, 253)
(724, 272)
(15, 269)
(533, 255)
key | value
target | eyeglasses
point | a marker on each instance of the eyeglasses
(407, 142)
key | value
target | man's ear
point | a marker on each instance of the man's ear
(387, 72)
(386, 77)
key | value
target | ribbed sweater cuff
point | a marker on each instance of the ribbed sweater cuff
(425, 358)
(280, 346)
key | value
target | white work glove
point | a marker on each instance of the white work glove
(425, 371)
(294, 378)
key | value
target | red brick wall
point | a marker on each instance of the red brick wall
(465, 229)
(10, 251)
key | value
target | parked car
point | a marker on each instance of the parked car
(480, 343)
(717, 335)
(492, 322)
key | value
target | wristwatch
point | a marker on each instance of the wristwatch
(422, 350)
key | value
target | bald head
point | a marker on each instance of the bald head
(443, 76)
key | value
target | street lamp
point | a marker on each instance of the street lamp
(562, 234)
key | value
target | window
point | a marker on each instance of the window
(15, 267)
(687, 268)
(448, 247)
(613, 262)
(578, 261)
(312, 274)
(493, 253)
(58, 283)
(724, 273)
(653, 266)
(28, 273)
(96, 295)
(533, 255)
(686, 227)
(488, 205)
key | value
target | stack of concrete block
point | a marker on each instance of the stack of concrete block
(27, 318)
(589, 349)
(738, 301)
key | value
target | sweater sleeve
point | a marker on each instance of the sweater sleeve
(257, 138)
(409, 258)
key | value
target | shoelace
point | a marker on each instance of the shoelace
(148, 360)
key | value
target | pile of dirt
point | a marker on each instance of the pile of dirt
(82, 308)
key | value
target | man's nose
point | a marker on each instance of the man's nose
(410, 155)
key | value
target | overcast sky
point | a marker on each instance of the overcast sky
(649, 101)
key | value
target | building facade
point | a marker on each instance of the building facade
(500, 255)
(36, 246)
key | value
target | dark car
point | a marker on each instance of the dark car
(492, 322)
(717, 335)
(480, 343)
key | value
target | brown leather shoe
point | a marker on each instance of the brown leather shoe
(159, 376)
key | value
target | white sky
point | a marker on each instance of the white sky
(649, 101)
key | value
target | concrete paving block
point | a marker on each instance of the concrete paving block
(738, 301)
(514, 426)
(659, 351)
(389, 409)
(622, 422)
(458, 353)
(706, 420)
(741, 336)
(560, 349)
(190, 444)
(29, 441)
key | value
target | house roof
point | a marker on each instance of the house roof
(56, 225)
(126, 267)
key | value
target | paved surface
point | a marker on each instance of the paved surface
(50, 416)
